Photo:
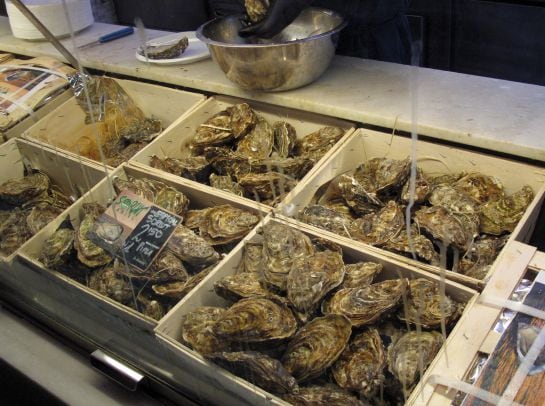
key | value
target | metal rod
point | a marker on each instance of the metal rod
(46, 33)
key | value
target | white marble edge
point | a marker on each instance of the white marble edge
(496, 115)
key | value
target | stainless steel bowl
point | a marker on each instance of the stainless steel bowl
(293, 58)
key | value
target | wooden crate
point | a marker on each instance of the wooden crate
(174, 143)
(73, 176)
(475, 333)
(219, 386)
(433, 159)
(116, 328)
(64, 126)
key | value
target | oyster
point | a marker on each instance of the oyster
(312, 277)
(285, 137)
(316, 144)
(215, 131)
(327, 218)
(226, 162)
(177, 290)
(172, 200)
(125, 154)
(144, 188)
(379, 228)
(503, 215)
(166, 268)
(191, 248)
(256, 320)
(108, 282)
(427, 307)
(40, 216)
(242, 119)
(454, 200)
(168, 51)
(365, 305)
(149, 307)
(360, 367)
(252, 258)
(422, 246)
(282, 246)
(258, 143)
(330, 395)
(226, 183)
(266, 186)
(259, 369)
(18, 191)
(256, 9)
(359, 196)
(242, 285)
(479, 257)
(481, 188)
(13, 231)
(411, 352)
(195, 168)
(360, 274)
(222, 224)
(316, 346)
(295, 167)
(88, 252)
(458, 230)
(196, 328)
(389, 175)
(422, 188)
(58, 248)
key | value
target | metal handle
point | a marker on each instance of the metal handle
(116, 34)
(116, 370)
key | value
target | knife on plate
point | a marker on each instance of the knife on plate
(123, 32)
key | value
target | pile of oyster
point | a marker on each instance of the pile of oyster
(26, 206)
(466, 216)
(238, 151)
(190, 254)
(311, 329)
(123, 129)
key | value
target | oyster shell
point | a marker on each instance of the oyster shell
(266, 186)
(479, 257)
(195, 168)
(295, 167)
(312, 277)
(359, 196)
(191, 248)
(18, 191)
(58, 248)
(196, 328)
(422, 246)
(360, 367)
(256, 320)
(327, 218)
(316, 346)
(481, 188)
(238, 286)
(411, 351)
(365, 305)
(259, 369)
(256, 9)
(453, 200)
(172, 200)
(215, 131)
(177, 290)
(285, 137)
(221, 224)
(226, 183)
(252, 260)
(242, 119)
(316, 144)
(330, 395)
(282, 246)
(360, 274)
(125, 154)
(503, 215)
(427, 307)
(166, 268)
(108, 282)
(144, 188)
(88, 252)
(379, 228)
(149, 307)
(458, 230)
(258, 143)
(421, 191)
(389, 175)
(168, 51)
(13, 231)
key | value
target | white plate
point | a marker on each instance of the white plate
(195, 51)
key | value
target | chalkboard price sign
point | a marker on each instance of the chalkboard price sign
(148, 238)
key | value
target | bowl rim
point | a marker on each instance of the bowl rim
(199, 32)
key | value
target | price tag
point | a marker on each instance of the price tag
(134, 229)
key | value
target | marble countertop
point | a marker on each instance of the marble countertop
(496, 115)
